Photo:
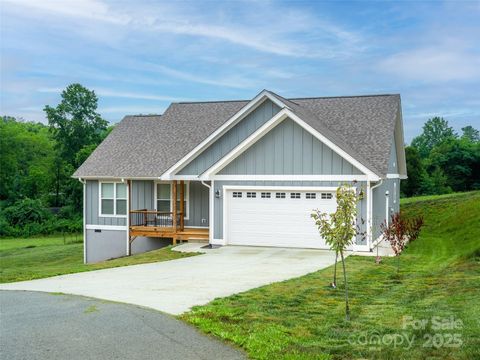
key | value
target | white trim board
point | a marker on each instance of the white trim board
(290, 177)
(105, 227)
(286, 187)
(269, 125)
(247, 109)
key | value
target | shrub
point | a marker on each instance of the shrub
(28, 217)
(26, 212)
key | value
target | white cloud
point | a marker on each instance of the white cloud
(118, 94)
(433, 64)
(88, 9)
(290, 32)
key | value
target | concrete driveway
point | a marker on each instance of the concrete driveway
(177, 285)
(55, 327)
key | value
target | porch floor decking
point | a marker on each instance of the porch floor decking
(170, 232)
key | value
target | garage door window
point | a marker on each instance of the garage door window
(266, 195)
(294, 195)
(251, 194)
(280, 195)
(237, 194)
(310, 195)
(327, 196)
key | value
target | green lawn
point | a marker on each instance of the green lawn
(34, 258)
(304, 319)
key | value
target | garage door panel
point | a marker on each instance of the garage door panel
(284, 222)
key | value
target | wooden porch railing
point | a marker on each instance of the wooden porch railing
(154, 218)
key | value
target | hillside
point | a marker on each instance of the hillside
(303, 318)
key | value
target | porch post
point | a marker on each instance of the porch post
(182, 204)
(174, 210)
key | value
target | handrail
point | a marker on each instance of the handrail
(150, 212)
(146, 217)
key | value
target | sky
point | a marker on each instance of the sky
(139, 56)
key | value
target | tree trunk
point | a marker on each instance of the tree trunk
(335, 270)
(347, 309)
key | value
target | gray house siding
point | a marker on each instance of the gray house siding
(142, 197)
(92, 212)
(289, 149)
(198, 205)
(379, 203)
(103, 244)
(231, 138)
(218, 202)
(392, 162)
(142, 194)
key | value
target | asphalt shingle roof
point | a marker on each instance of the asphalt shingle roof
(146, 146)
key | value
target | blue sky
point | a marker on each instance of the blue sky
(141, 55)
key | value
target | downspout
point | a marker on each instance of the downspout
(210, 209)
(371, 209)
(84, 182)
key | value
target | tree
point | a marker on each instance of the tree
(457, 159)
(399, 231)
(471, 134)
(435, 132)
(26, 161)
(74, 122)
(413, 185)
(339, 228)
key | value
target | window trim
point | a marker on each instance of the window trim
(100, 210)
(187, 197)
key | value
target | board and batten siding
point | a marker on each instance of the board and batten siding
(198, 205)
(289, 149)
(92, 211)
(379, 204)
(392, 162)
(231, 138)
(218, 202)
(143, 197)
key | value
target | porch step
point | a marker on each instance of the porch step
(198, 241)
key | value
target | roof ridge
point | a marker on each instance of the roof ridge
(143, 115)
(209, 101)
(290, 99)
(343, 96)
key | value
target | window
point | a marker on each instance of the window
(237, 194)
(251, 194)
(280, 195)
(266, 195)
(311, 195)
(163, 200)
(327, 196)
(294, 195)
(113, 199)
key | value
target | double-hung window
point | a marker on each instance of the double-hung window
(113, 199)
(163, 201)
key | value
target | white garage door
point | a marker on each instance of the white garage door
(276, 217)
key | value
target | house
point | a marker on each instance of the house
(241, 173)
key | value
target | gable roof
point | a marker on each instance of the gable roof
(147, 146)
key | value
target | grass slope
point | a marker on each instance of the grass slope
(34, 258)
(304, 319)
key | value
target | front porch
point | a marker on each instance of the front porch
(165, 224)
